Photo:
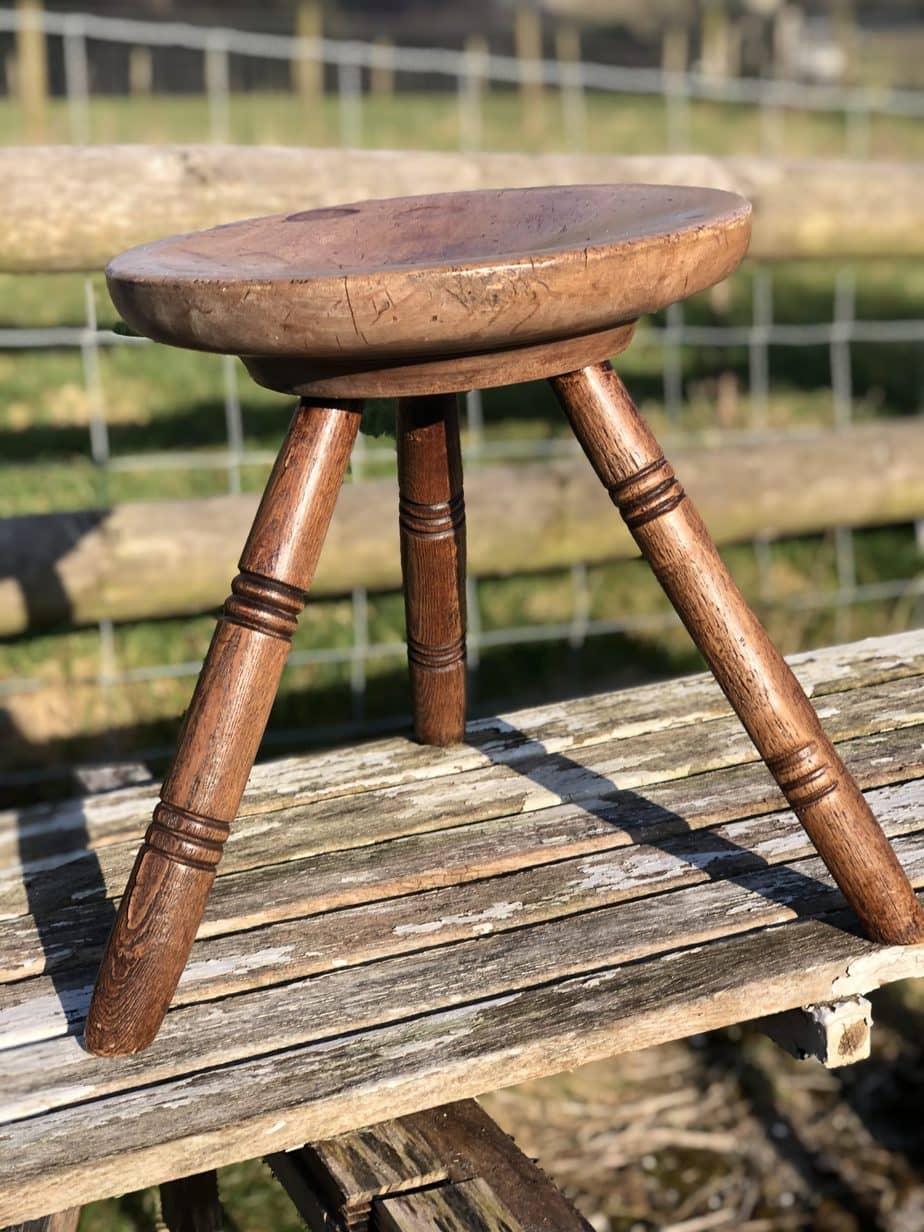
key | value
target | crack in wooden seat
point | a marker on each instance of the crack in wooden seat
(421, 297)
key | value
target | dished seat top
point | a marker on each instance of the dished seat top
(449, 274)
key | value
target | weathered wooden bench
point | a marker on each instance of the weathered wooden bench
(395, 926)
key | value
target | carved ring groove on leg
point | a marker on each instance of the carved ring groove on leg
(186, 837)
(436, 657)
(648, 494)
(436, 521)
(266, 606)
(804, 776)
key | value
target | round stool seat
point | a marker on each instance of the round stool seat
(437, 293)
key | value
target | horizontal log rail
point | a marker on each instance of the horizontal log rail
(72, 208)
(143, 561)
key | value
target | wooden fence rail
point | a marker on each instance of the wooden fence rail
(141, 561)
(72, 208)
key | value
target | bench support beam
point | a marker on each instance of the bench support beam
(448, 1167)
(835, 1033)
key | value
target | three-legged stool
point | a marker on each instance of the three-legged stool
(419, 298)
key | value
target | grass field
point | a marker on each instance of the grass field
(615, 123)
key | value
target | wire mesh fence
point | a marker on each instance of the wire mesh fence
(355, 65)
(667, 340)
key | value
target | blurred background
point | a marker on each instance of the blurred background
(803, 374)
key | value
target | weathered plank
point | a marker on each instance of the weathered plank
(116, 564)
(438, 958)
(131, 194)
(351, 999)
(313, 941)
(298, 891)
(458, 1207)
(62, 1221)
(344, 1182)
(336, 1181)
(557, 728)
(310, 1092)
(533, 781)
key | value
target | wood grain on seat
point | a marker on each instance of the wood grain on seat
(353, 291)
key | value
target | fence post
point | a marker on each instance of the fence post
(77, 79)
(527, 33)
(350, 97)
(845, 34)
(10, 74)
(574, 111)
(714, 57)
(32, 69)
(140, 71)
(787, 34)
(841, 329)
(218, 87)
(758, 347)
(471, 85)
(675, 51)
(382, 76)
(307, 69)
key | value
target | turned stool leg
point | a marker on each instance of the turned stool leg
(772, 706)
(166, 894)
(432, 521)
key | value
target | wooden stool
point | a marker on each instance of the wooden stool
(420, 298)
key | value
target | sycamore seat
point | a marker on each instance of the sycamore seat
(433, 294)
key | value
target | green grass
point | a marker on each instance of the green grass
(615, 123)
(253, 1201)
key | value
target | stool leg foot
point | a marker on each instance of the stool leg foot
(753, 675)
(167, 891)
(432, 522)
